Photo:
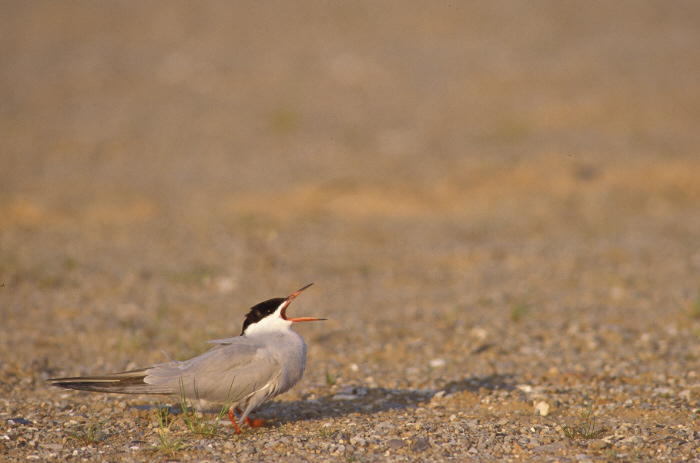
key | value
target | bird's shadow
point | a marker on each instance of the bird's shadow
(365, 400)
(373, 400)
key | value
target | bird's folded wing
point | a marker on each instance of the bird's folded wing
(229, 372)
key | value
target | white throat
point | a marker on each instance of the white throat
(273, 323)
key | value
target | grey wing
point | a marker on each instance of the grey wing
(233, 371)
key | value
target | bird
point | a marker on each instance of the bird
(267, 359)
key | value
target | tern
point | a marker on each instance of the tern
(267, 359)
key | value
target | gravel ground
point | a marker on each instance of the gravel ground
(498, 204)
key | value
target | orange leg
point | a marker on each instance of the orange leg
(255, 423)
(233, 420)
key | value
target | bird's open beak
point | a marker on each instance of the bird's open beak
(300, 319)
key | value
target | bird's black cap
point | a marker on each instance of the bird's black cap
(262, 310)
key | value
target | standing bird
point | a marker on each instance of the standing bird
(264, 361)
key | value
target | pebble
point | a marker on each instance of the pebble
(51, 446)
(550, 448)
(542, 408)
(395, 443)
(345, 397)
(437, 363)
(420, 445)
(632, 440)
(358, 440)
(598, 444)
(18, 421)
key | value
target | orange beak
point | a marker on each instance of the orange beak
(300, 319)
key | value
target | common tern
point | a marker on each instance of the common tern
(267, 359)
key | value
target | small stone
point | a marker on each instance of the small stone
(663, 391)
(386, 425)
(395, 444)
(51, 446)
(420, 445)
(550, 448)
(632, 440)
(358, 440)
(17, 421)
(437, 363)
(598, 444)
(542, 408)
(345, 397)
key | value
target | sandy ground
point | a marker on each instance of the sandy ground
(499, 204)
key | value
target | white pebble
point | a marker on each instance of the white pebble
(345, 397)
(542, 408)
(526, 388)
(437, 363)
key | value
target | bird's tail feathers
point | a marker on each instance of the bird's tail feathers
(126, 382)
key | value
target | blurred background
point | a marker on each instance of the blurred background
(431, 167)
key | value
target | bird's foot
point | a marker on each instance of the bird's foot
(255, 423)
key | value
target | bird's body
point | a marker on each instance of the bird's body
(266, 360)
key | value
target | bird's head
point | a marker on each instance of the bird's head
(271, 315)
